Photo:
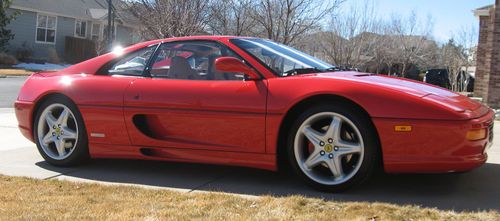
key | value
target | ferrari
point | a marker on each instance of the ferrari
(250, 102)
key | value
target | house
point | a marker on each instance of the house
(63, 27)
(487, 82)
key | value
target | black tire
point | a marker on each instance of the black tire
(370, 138)
(80, 154)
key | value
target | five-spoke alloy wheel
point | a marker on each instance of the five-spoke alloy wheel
(58, 136)
(332, 147)
(59, 132)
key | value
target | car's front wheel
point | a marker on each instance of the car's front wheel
(333, 147)
(60, 133)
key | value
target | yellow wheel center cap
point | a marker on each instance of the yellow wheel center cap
(328, 148)
(58, 131)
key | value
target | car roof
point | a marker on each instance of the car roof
(186, 38)
(198, 37)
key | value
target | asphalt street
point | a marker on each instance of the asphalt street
(9, 88)
(471, 191)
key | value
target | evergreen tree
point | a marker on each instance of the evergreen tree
(5, 34)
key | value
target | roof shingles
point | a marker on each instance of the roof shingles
(71, 8)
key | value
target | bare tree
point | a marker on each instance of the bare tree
(170, 18)
(467, 38)
(357, 39)
(231, 17)
(412, 39)
(351, 37)
(283, 21)
(287, 20)
(451, 57)
(384, 56)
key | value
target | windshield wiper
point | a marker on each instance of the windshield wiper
(297, 71)
(331, 69)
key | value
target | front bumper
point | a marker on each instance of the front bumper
(24, 115)
(433, 146)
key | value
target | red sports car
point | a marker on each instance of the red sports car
(250, 102)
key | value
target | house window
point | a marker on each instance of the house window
(46, 29)
(96, 32)
(81, 28)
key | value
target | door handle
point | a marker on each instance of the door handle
(136, 97)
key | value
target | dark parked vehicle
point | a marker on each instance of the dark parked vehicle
(465, 81)
(470, 84)
(439, 77)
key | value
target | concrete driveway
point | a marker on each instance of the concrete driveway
(475, 190)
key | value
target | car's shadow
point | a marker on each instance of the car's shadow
(472, 191)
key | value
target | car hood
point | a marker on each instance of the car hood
(438, 95)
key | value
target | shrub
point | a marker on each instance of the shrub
(52, 55)
(6, 59)
(24, 53)
(5, 34)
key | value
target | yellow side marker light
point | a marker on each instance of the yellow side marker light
(476, 134)
(402, 128)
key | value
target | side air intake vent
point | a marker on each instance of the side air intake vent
(141, 124)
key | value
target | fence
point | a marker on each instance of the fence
(78, 49)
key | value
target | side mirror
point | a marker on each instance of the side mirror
(231, 64)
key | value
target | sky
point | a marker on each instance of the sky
(449, 16)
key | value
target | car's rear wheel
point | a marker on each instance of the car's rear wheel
(333, 147)
(60, 133)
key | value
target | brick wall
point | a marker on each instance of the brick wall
(494, 84)
(487, 84)
(483, 60)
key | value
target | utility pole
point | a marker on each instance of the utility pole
(110, 17)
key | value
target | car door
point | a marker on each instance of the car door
(100, 97)
(186, 103)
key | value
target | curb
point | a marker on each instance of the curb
(14, 75)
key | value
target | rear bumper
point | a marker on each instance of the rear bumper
(433, 146)
(24, 115)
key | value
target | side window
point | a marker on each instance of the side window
(279, 64)
(194, 60)
(134, 63)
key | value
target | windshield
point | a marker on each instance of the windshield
(283, 60)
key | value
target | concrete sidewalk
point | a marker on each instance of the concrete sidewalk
(475, 190)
